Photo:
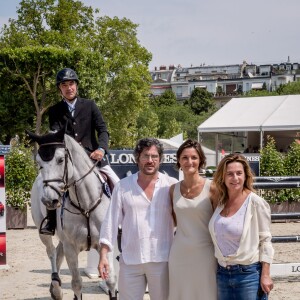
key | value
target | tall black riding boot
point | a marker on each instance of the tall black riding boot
(49, 228)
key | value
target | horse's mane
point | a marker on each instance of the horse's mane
(77, 150)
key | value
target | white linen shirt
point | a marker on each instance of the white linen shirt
(147, 226)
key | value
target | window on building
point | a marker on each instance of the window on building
(164, 76)
(179, 91)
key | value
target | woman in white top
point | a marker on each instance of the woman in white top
(192, 265)
(240, 230)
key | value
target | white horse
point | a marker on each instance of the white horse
(69, 182)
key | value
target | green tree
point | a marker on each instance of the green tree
(200, 101)
(62, 23)
(240, 90)
(173, 127)
(292, 168)
(128, 80)
(272, 164)
(291, 88)
(31, 71)
(186, 120)
(271, 161)
(147, 124)
(219, 90)
(259, 93)
(168, 98)
(13, 118)
(105, 52)
(20, 174)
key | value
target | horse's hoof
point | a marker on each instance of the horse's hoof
(75, 297)
(111, 297)
(56, 292)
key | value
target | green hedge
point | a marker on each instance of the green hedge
(20, 173)
(274, 163)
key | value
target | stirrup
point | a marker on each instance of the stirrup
(47, 230)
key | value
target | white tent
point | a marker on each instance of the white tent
(170, 144)
(279, 115)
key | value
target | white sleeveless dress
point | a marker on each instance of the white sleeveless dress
(192, 265)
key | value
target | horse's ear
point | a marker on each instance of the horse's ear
(53, 137)
(61, 133)
(32, 136)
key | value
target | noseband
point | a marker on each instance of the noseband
(65, 177)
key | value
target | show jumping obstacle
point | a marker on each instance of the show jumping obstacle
(287, 269)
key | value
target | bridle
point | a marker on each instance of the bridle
(65, 177)
(67, 185)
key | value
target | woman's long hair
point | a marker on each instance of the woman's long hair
(219, 176)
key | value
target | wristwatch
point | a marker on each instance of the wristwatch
(102, 150)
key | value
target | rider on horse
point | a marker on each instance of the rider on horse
(84, 122)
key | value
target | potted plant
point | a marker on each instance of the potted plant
(19, 177)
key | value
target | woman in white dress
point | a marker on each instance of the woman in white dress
(192, 265)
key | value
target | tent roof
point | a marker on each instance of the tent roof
(272, 113)
(169, 144)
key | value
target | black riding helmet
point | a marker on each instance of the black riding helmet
(65, 75)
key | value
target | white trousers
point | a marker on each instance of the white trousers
(93, 256)
(110, 173)
(133, 280)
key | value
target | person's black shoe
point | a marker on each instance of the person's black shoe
(49, 228)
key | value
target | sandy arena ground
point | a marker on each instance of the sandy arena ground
(28, 275)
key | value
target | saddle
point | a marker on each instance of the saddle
(108, 180)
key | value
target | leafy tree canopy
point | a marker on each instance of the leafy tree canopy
(291, 88)
(168, 98)
(111, 64)
(200, 101)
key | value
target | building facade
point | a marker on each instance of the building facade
(224, 81)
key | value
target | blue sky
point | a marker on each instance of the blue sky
(214, 32)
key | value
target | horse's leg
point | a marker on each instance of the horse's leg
(72, 259)
(55, 286)
(59, 255)
(112, 280)
(38, 212)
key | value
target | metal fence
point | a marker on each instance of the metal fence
(281, 183)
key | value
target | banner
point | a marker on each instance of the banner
(123, 163)
(2, 214)
(254, 162)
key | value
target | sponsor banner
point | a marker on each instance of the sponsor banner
(123, 163)
(4, 149)
(253, 160)
(1, 171)
(2, 214)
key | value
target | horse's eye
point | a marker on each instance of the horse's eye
(60, 160)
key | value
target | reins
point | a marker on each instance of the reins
(86, 214)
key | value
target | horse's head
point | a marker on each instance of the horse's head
(55, 164)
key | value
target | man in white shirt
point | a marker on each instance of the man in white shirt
(141, 205)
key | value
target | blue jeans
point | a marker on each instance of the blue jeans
(240, 282)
